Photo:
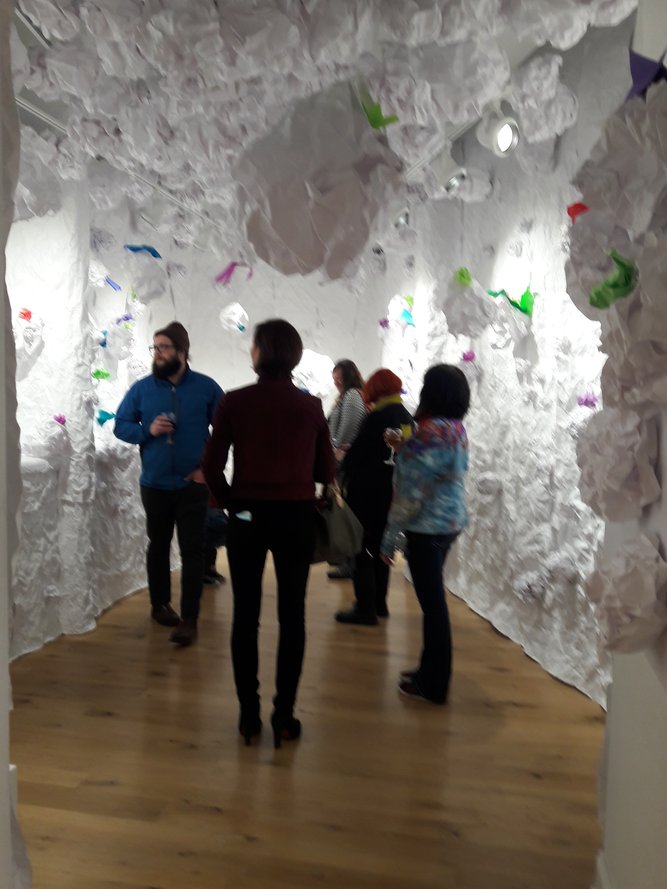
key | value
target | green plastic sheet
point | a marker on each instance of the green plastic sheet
(619, 284)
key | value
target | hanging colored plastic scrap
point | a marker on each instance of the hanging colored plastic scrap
(524, 304)
(143, 248)
(104, 416)
(406, 314)
(588, 399)
(373, 111)
(112, 284)
(463, 277)
(25, 315)
(227, 273)
(126, 320)
(577, 209)
(100, 374)
(619, 284)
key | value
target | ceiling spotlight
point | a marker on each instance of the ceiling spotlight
(497, 131)
(444, 176)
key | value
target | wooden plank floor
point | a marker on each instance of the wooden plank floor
(132, 775)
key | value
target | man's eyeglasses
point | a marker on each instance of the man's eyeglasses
(160, 349)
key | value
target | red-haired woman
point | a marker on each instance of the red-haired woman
(367, 480)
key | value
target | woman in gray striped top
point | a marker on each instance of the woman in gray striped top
(345, 419)
(349, 411)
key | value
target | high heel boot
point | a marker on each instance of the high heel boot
(285, 728)
(249, 727)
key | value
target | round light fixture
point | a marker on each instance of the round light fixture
(498, 132)
(506, 135)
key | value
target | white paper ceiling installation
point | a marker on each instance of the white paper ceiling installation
(177, 91)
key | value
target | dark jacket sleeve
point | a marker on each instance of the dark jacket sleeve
(325, 460)
(216, 453)
(128, 425)
(362, 448)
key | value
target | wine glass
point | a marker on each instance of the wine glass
(395, 434)
(171, 416)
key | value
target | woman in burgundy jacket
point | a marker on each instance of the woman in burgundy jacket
(281, 448)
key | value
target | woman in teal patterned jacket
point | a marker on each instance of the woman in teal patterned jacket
(429, 507)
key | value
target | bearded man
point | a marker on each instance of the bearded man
(168, 415)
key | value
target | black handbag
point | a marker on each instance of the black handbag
(338, 532)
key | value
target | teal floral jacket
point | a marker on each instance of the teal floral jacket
(429, 495)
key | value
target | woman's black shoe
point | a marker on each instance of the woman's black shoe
(249, 728)
(284, 729)
(165, 615)
(354, 616)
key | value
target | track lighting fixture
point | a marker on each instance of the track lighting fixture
(497, 131)
(444, 176)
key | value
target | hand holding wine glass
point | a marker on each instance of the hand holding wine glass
(393, 438)
(164, 424)
(171, 417)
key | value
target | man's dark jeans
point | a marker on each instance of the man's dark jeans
(185, 509)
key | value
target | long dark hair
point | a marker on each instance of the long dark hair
(350, 375)
(280, 348)
(445, 393)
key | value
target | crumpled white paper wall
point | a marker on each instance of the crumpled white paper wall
(313, 373)
(630, 591)
(617, 453)
(624, 183)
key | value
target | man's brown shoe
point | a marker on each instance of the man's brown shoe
(165, 615)
(185, 633)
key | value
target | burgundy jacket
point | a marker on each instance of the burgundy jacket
(281, 444)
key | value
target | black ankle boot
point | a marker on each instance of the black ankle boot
(250, 726)
(355, 616)
(285, 728)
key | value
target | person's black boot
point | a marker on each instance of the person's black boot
(185, 633)
(285, 728)
(165, 615)
(354, 616)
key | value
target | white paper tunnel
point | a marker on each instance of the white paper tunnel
(242, 161)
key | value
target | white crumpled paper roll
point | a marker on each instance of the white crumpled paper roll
(617, 453)
(629, 592)
(316, 185)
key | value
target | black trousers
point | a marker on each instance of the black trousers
(287, 529)
(370, 575)
(215, 534)
(184, 508)
(426, 554)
